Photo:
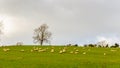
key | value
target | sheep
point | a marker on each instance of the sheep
(31, 50)
(43, 50)
(36, 49)
(64, 50)
(60, 51)
(84, 53)
(71, 52)
(104, 53)
(22, 50)
(7, 49)
(113, 50)
(76, 52)
(52, 50)
(39, 48)
(4, 49)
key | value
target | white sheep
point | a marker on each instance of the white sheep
(104, 53)
(76, 52)
(113, 50)
(71, 52)
(52, 50)
(22, 50)
(60, 51)
(84, 53)
(64, 50)
(31, 50)
(4, 49)
(40, 48)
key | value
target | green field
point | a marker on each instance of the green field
(27, 57)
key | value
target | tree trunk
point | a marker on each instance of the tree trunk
(41, 43)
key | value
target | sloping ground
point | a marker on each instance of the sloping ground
(58, 57)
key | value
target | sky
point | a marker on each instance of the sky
(70, 21)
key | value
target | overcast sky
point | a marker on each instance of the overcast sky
(70, 21)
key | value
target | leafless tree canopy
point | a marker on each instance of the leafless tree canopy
(19, 43)
(41, 34)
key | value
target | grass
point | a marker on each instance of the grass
(94, 57)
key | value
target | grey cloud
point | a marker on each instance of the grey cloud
(68, 19)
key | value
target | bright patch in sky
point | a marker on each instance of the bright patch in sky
(8, 25)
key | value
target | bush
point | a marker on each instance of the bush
(115, 46)
(76, 45)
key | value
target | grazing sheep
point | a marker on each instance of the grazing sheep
(64, 50)
(36, 49)
(52, 50)
(104, 53)
(31, 50)
(71, 52)
(76, 52)
(4, 49)
(7, 49)
(22, 50)
(84, 53)
(61, 52)
(44, 50)
(113, 50)
(40, 48)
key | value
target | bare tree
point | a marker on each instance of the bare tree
(103, 43)
(41, 34)
(19, 43)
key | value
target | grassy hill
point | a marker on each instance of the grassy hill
(54, 57)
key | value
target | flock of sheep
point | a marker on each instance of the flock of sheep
(60, 50)
(52, 50)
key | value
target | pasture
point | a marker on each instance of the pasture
(58, 57)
